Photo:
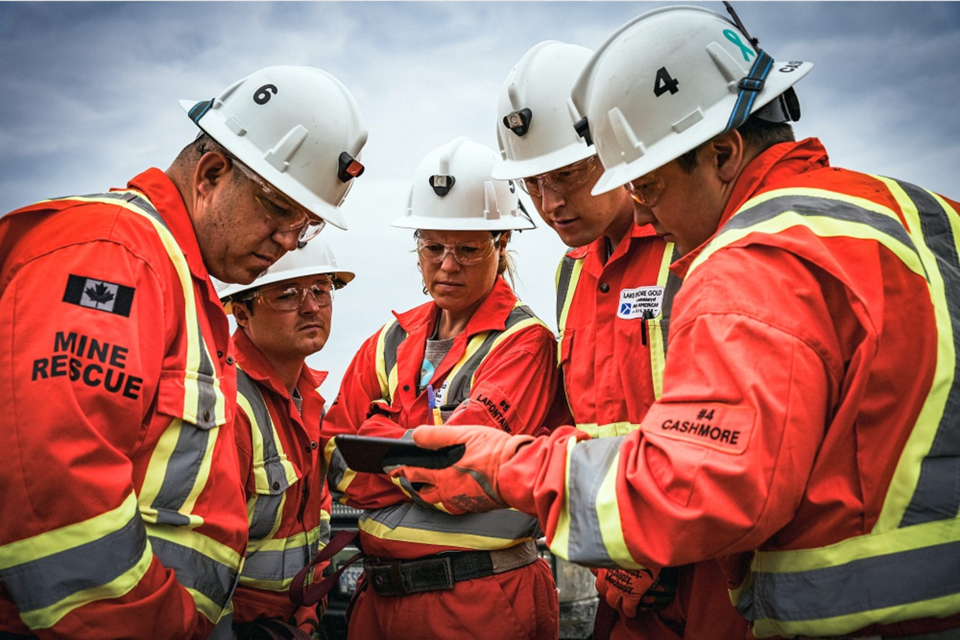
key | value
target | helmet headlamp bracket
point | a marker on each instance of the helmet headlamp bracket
(442, 184)
(518, 121)
(582, 128)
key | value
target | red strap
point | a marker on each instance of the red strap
(314, 592)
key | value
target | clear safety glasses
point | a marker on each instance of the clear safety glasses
(280, 211)
(562, 180)
(465, 253)
(290, 297)
(646, 190)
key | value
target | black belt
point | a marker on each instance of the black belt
(402, 577)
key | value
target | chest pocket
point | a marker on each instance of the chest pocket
(272, 472)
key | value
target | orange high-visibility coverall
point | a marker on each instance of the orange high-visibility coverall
(807, 432)
(122, 511)
(613, 317)
(513, 389)
(281, 468)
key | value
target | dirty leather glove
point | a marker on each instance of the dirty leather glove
(470, 484)
(633, 591)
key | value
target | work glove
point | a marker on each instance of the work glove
(470, 485)
(633, 591)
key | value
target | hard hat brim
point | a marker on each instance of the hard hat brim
(713, 123)
(217, 130)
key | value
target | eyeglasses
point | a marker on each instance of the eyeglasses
(646, 190)
(562, 180)
(286, 215)
(465, 253)
(291, 297)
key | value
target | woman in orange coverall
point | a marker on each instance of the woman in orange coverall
(473, 355)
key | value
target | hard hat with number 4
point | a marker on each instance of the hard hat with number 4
(670, 80)
(314, 258)
(533, 114)
(454, 191)
(298, 128)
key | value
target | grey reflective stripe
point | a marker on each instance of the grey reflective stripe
(193, 569)
(819, 207)
(669, 292)
(391, 342)
(224, 629)
(890, 580)
(338, 467)
(183, 468)
(48, 580)
(505, 524)
(267, 507)
(589, 462)
(461, 383)
(937, 495)
(278, 565)
(563, 285)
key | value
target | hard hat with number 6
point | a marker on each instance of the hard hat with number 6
(298, 128)
(533, 114)
(454, 191)
(314, 258)
(670, 80)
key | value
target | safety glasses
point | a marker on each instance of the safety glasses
(280, 211)
(646, 190)
(290, 297)
(562, 180)
(465, 253)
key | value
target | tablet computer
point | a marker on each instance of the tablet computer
(365, 453)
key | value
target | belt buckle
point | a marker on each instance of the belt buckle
(434, 574)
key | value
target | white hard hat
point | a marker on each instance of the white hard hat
(534, 128)
(670, 80)
(453, 191)
(313, 258)
(297, 127)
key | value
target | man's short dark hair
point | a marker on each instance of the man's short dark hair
(756, 133)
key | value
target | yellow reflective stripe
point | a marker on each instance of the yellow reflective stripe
(905, 477)
(207, 607)
(608, 512)
(299, 543)
(157, 471)
(607, 430)
(387, 379)
(887, 543)
(655, 341)
(447, 539)
(567, 294)
(68, 537)
(348, 474)
(49, 616)
(560, 543)
(821, 225)
(839, 625)
(214, 551)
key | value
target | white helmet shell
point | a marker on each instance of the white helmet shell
(297, 127)
(535, 100)
(453, 191)
(314, 258)
(665, 83)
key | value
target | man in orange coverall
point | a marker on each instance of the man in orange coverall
(614, 292)
(283, 317)
(122, 512)
(808, 429)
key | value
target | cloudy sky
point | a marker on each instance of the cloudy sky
(90, 98)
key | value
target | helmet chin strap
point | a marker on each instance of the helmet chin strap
(783, 108)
